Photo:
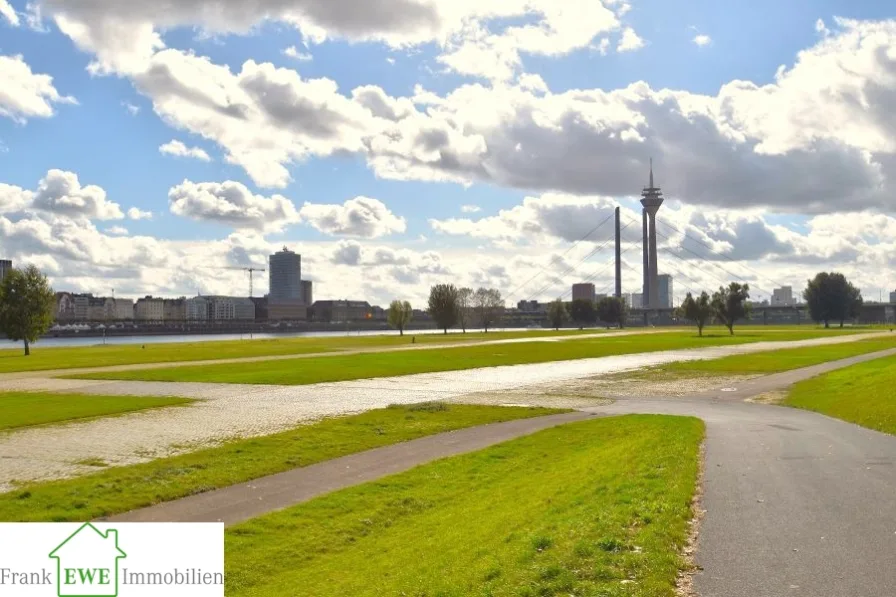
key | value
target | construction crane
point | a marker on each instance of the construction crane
(251, 271)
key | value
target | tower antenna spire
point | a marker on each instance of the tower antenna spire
(651, 173)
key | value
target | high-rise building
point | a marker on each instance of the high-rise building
(285, 276)
(652, 199)
(5, 267)
(306, 293)
(583, 292)
(893, 297)
(782, 297)
(664, 285)
(637, 301)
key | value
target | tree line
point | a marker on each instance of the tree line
(450, 306)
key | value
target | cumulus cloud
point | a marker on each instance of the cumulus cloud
(361, 217)
(630, 41)
(177, 148)
(131, 108)
(231, 203)
(60, 192)
(470, 209)
(701, 39)
(139, 214)
(117, 231)
(25, 94)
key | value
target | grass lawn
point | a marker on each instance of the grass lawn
(862, 394)
(120, 489)
(371, 365)
(760, 363)
(599, 507)
(22, 409)
(128, 354)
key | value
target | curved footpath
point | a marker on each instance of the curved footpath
(795, 503)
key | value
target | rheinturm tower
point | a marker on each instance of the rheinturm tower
(651, 199)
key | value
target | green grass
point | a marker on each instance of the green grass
(599, 507)
(23, 409)
(862, 394)
(129, 354)
(383, 364)
(762, 363)
(120, 489)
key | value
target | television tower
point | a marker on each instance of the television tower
(652, 199)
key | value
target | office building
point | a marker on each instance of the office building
(149, 308)
(893, 297)
(341, 311)
(285, 276)
(637, 301)
(782, 297)
(306, 292)
(5, 267)
(174, 309)
(652, 199)
(664, 288)
(230, 308)
(123, 309)
(196, 308)
(583, 292)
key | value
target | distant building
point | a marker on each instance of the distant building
(664, 282)
(261, 308)
(285, 276)
(227, 308)
(123, 309)
(5, 267)
(341, 311)
(599, 297)
(583, 292)
(637, 300)
(307, 297)
(527, 306)
(782, 297)
(196, 308)
(174, 309)
(100, 308)
(893, 297)
(287, 310)
(149, 308)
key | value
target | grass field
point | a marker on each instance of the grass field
(23, 409)
(760, 363)
(120, 489)
(371, 365)
(599, 507)
(129, 354)
(862, 394)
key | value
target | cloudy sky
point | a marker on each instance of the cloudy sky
(147, 146)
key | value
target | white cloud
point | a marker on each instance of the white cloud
(821, 28)
(296, 54)
(604, 46)
(25, 94)
(9, 13)
(630, 41)
(531, 82)
(139, 214)
(470, 209)
(131, 108)
(361, 217)
(177, 148)
(701, 39)
(233, 204)
(117, 231)
(60, 192)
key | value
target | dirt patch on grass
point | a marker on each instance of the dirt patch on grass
(684, 586)
(657, 383)
(773, 397)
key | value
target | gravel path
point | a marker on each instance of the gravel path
(227, 411)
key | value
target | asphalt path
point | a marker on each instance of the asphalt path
(796, 503)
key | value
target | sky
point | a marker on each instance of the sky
(147, 147)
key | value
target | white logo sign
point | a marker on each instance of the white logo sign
(111, 560)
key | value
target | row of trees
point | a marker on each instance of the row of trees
(829, 297)
(27, 304)
(610, 310)
(450, 306)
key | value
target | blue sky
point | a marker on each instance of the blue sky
(103, 143)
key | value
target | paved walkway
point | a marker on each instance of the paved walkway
(796, 503)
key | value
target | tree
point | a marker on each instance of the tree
(27, 304)
(557, 314)
(443, 305)
(582, 312)
(831, 297)
(400, 314)
(611, 309)
(730, 304)
(464, 307)
(488, 305)
(698, 310)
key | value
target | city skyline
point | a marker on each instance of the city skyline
(445, 159)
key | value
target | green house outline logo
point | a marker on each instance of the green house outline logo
(111, 534)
